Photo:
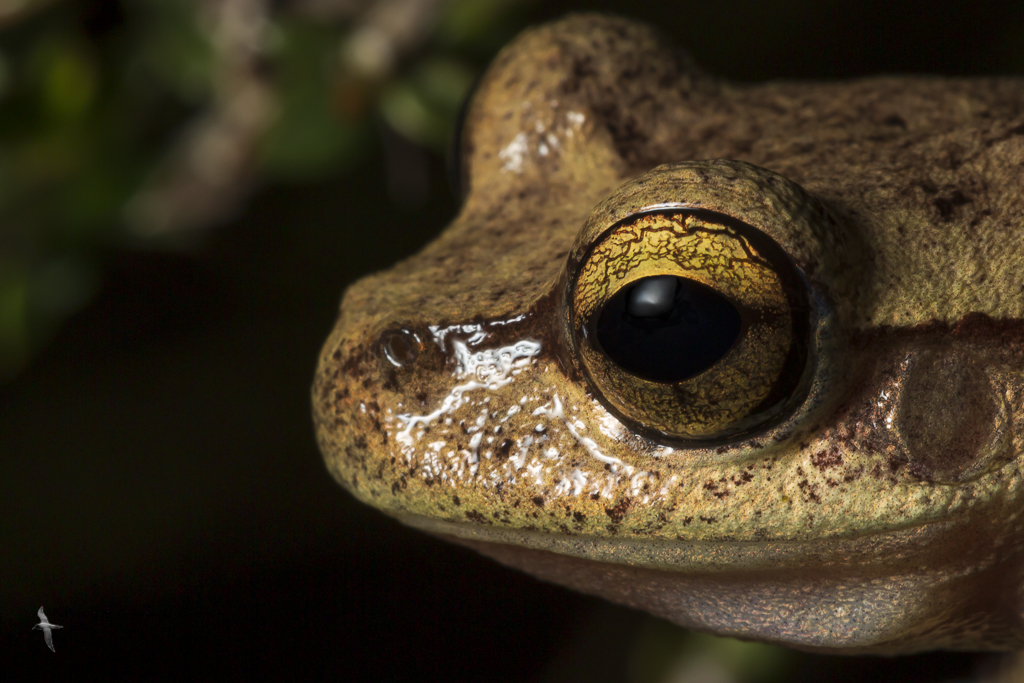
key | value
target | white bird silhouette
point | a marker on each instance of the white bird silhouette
(46, 627)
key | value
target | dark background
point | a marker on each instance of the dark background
(160, 490)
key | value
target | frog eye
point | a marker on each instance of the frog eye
(691, 325)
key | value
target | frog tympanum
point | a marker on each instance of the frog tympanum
(748, 357)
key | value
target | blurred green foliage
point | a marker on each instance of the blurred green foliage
(312, 131)
(102, 103)
(665, 653)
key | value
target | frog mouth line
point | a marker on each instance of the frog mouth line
(884, 548)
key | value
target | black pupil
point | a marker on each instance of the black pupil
(667, 328)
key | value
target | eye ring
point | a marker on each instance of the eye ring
(755, 375)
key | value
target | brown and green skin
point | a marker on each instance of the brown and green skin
(882, 514)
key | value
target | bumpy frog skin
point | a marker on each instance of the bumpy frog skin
(876, 510)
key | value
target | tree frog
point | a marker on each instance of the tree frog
(747, 357)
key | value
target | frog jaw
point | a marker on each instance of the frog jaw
(834, 597)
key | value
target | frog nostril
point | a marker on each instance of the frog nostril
(400, 347)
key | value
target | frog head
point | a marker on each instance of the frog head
(750, 358)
